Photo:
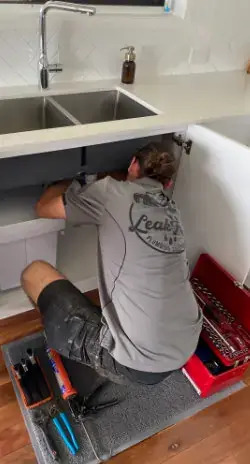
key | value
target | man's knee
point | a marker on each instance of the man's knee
(37, 276)
(34, 269)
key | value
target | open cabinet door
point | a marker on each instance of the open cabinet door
(247, 281)
(212, 191)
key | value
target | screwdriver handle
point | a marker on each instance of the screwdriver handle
(20, 375)
(66, 388)
(41, 382)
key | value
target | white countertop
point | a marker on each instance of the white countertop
(177, 100)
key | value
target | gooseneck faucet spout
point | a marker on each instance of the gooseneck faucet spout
(44, 67)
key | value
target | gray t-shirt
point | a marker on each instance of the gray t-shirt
(151, 321)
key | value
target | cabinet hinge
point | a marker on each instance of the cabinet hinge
(181, 142)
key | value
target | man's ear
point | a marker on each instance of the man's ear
(132, 162)
(168, 184)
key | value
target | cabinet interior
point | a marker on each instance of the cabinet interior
(22, 181)
(17, 205)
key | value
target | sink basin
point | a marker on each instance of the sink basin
(101, 106)
(27, 114)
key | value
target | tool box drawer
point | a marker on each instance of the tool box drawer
(223, 353)
(206, 383)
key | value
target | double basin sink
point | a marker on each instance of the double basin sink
(36, 113)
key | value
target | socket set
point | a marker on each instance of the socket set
(227, 338)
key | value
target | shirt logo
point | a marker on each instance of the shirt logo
(156, 221)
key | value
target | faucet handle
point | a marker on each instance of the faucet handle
(55, 68)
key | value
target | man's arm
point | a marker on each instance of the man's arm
(79, 204)
(51, 203)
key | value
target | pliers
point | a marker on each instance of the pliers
(82, 408)
(64, 428)
(41, 419)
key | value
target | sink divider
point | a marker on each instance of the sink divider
(61, 109)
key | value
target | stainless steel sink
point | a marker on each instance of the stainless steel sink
(27, 114)
(102, 106)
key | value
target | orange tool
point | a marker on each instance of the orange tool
(67, 390)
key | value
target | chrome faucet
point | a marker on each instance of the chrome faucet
(44, 67)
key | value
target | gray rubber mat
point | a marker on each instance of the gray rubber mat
(142, 410)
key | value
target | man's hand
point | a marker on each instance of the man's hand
(51, 204)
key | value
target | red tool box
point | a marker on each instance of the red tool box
(223, 353)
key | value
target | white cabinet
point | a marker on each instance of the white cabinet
(77, 256)
(212, 190)
(247, 281)
(24, 237)
(213, 193)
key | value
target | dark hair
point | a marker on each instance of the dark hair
(155, 162)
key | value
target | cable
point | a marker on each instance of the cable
(122, 262)
(100, 459)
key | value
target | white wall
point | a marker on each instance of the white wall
(213, 36)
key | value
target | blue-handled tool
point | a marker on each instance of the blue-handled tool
(64, 429)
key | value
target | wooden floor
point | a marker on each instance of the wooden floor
(219, 434)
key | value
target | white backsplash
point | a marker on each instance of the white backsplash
(214, 36)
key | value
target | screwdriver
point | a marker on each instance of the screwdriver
(30, 381)
(21, 378)
(38, 375)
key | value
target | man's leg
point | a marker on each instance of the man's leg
(36, 277)
(72, 323)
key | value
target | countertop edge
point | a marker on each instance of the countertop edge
(177, 100)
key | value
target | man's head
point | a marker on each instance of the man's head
(154, 162)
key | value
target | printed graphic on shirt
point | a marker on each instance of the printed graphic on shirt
(156, 221)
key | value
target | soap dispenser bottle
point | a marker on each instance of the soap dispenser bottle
(129, 65)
